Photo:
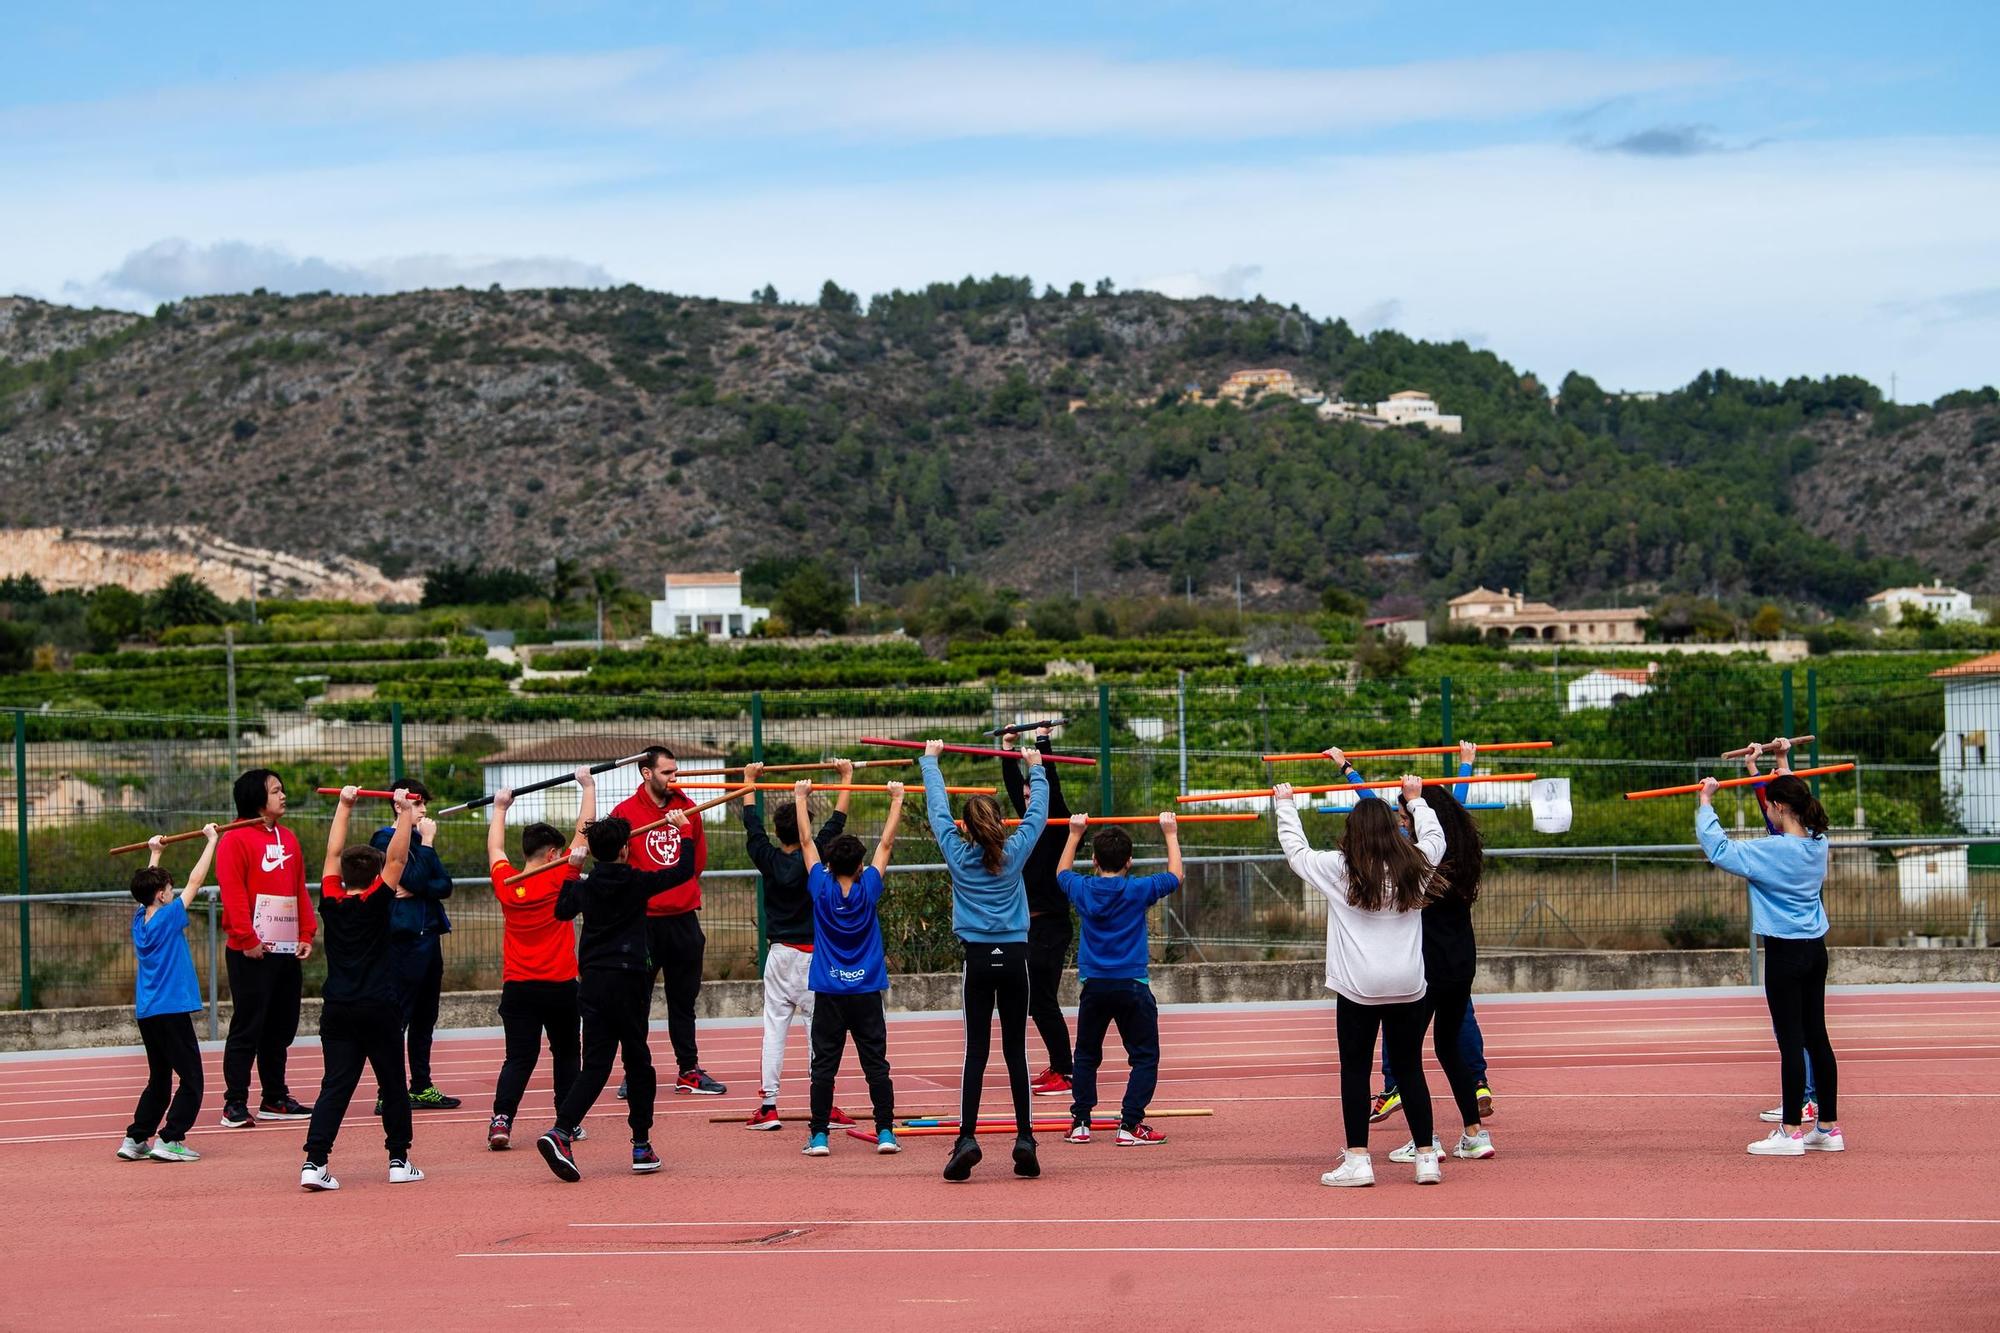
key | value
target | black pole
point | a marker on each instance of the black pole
(543, 785)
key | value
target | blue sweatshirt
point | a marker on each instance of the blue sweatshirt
(1785, 875)
(1458, 789)
(847, 944)
(1112, 909)
(428, 882)
(166, 983)
(987, 907)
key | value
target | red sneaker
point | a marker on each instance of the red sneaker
(1055, 1085)
(1048, 1072)
(764, 1117)
(499, 1133)
(1143, 1136)
(698, 1081)
(840, 1119)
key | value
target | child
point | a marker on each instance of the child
(1112, 963)
(165, 993)
(848, 973)
(418, 926)
(1786, 873)
(614, 989)
(1754, 752)
(788, 927)
(361, 1019)
(1375, 886)
(537, 959)
(989, 914)
(261, 861)
(1048, 918)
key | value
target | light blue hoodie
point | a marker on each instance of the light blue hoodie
(1785, 875)
(987, 907)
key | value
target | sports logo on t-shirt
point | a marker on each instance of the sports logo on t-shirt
(275, 856)
(663, 844)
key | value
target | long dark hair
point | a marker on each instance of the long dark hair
(1383, 867)
(1792, 793)
(1464, 850)
(985, 826)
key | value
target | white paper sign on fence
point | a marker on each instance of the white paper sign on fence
(275, 919)
(1549, 798)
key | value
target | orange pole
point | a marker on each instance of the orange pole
(914, 789)
(1353, 786)
(365, 791)
(1095, 820)
(183, 837)
(795, 768)
(1408, 749)
(1690, 788)
(643, 828)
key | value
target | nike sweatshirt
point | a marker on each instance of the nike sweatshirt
(260, 859)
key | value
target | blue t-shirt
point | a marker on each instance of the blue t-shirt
(1112, 911)
(166, 983)
(847, 935)
(1785, 875)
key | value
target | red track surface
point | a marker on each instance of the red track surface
(1621, 1195)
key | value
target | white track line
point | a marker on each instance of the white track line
(1798, 1254)
(1302, 1221)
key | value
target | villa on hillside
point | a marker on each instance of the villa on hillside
(709, 604)
(1947, 604)
(1406, 407)
(1243, 384)
(1509, 615)
(1607, 687)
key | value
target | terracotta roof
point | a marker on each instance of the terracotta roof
(1938, 591)
(1633, 674)
(1407, 393)
(720, 580)
(1479, 594)
(1988, 665)
(1630, 613)
(596, 747)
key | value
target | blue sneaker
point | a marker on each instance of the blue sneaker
(644, 1160)
(885, 1142)
(817, 1146)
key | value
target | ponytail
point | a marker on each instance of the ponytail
(1792, 793)
(984, 826)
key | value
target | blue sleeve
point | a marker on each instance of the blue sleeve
(871, 885)
(937, 809)
(1155, 887)
(1033, 821)
(1364, 794)
(1073, 885)
(818, 881)
(1458, 789)
(1730, 857)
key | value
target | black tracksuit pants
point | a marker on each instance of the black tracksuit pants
(1795, 989)
(835, 1018)
(528, 1010)
(1048, 950)
(351, 1036)
(171, 1052)
(1130, 1004)
(420, 982)
(263, 1020)
(995, 975)
(615, 1007)
(678, 945)
(1402, 1027)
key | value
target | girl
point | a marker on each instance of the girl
(1786, 873)
(989, 913)
(1375, 885)
(1755, 752)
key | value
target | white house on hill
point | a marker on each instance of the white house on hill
(1968, 764)
(1947, 604)
(710, 604)
(539, 761)
(1608, 687)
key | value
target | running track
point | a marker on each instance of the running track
(1621, 1195)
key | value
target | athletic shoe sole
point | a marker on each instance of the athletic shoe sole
(764, 1124)
(262, 1114)
(1485, 1105)
(245, 1123)
(887, 1149)
(700, 1092)
(646, 1168)
(1143, 1143)
(1353, 1182)
(1476, 1155)
(960, 1166)
(562, 1166)
(1026, 1164)
(1051, 1092)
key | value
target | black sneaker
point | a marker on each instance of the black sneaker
(1026, 1164)
(554, 1148)
(696, 1080)
(283, 1108)
(623, 1088)
(430, 1099)
(965, 1155)
(236, 1115)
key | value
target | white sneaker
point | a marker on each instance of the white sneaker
(403, 1173)
(1355, 1169)
(1474, 1147)
(1779, 1144)
(1408, 1152)
(1079, 1132)
(317, 1178)
(1824, 1140)
(1776, 1115)
(1428, 1172)
(135, 1150)
(173, 1152)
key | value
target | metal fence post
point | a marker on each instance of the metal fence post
(1444, 712)
(395, 740)
(1180, 725)
(1785, 699)
(1812, 723)
(21, 852)
(229, 667)
(214, 963)
(1104, 791)
(757, 756)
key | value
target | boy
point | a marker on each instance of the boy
(537, 958)
(165, 993)
(418, 925)
(263, 861)
(1111, 960)
(361, 1020)
(788, 929)
(614, 989)
(848, 973)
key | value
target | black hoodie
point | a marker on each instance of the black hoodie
(612, 900)
(1039, 874)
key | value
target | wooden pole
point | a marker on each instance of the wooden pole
(189, 836)
(688, 813)
(1795, 740)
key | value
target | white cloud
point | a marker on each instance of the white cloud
(1233, 283)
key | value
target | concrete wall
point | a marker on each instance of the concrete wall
(1500, 973)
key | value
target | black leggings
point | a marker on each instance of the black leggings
(1048, 950)
(1449, 1000)
(1402, 1027)
(350, 1037)
(1795, 988)
(171, 1052)
(995, 974)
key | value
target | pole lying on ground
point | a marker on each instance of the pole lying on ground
(1770, 745)
(543, 785)
(1407, 750)
(913, 789)
(796, 768)
(982, 750)
(1690, 788)
(1323, 788)
(1001, 1118)
(688, 813)
(183, 837)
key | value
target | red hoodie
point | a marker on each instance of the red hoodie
(663, 848)
(254, 860)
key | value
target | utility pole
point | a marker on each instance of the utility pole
(229, 663)
(1075, 585)
(1239, 594)
(1190, 589)
(857, 585)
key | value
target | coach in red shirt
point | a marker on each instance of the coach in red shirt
(673, 919)
(264, 984)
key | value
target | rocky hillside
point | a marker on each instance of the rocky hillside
(972, 426)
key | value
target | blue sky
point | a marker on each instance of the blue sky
(1777, 188)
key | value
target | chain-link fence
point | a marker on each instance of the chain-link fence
(81, 783)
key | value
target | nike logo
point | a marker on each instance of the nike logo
(275, 857)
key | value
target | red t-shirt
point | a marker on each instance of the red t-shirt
(534, 946)
(253, 860)
(664, 847)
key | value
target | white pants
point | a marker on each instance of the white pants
(786, 994)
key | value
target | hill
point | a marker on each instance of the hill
(972, 426)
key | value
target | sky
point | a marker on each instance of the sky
(1635, 192)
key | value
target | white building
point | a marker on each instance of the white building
(1947, 604)
(1608, 687)
(1968, 767)
(539, 761)
(710, 604)
(1416, 631)
(1409, 407)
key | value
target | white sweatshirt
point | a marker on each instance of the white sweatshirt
(1371, 957)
